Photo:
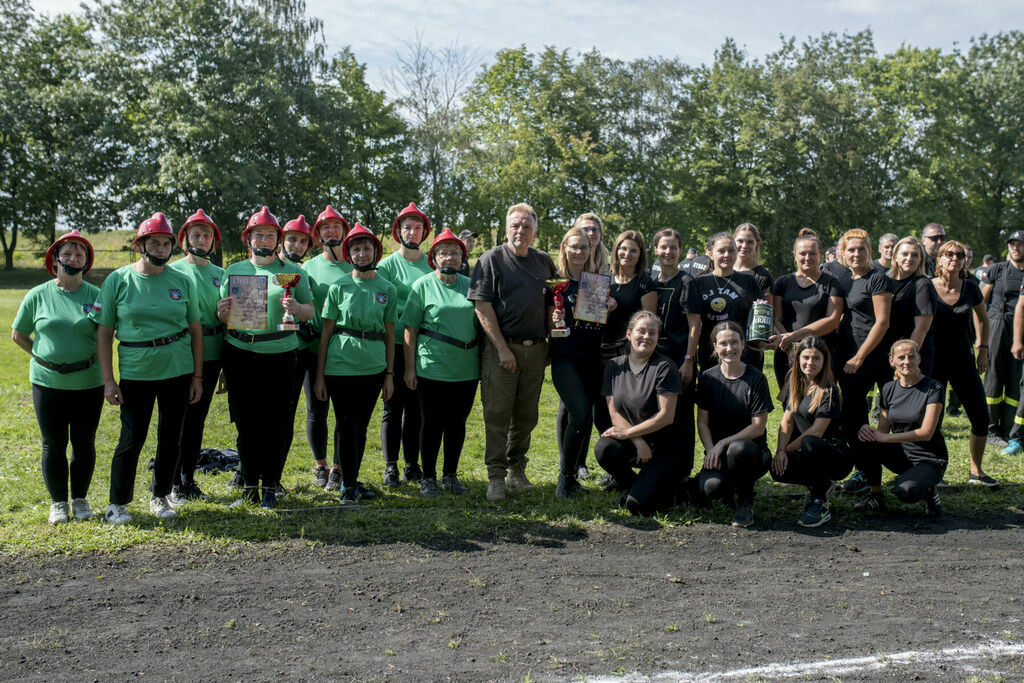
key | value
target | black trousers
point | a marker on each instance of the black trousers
(961, 373)
(739, 468)
(816, 465)
(578, 383)
(1002, 381)
(316, 410)
(444, 409)
(915, 480)
(652, 488)
(194, 424)
(353, 397)
(64, 414)
(259, 393)
(400, 419)
(875, 372)
(171, 397)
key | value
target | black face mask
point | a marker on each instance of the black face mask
(70, 270)
(199, 253)
(263, 251)
(155, 260)
(293, 257)
(364, 269)
(448, 270)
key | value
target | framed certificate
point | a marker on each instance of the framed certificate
(248, 302)
(592, 298)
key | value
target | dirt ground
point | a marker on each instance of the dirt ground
(911, 597)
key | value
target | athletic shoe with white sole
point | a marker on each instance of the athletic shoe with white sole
(873, 502)
(333, 481)
(816, 514)
(451, 483)
(161, 507)
(81, 510)
(744, 516)
(58, 513)
(856, 483)
(117, 514)
(982, 480)
(320, 476)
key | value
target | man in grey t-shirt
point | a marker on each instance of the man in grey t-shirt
(508, 290)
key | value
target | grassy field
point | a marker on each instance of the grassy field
(313, 516)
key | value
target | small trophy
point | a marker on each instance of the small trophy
(287, 281)
(760, 324)
(557, 286)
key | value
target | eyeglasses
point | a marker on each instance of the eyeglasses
(592, 231)
(578, 249)
(955, 254)
(935, 238)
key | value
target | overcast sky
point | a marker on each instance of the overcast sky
(376, 29)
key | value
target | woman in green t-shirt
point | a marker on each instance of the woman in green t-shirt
(67, 388)
(260, 362)
(356, 359)
(442, 360)
(154, 311)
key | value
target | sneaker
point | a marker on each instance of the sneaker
(450, 482)
(1013, 447)
(873, 502)
(582, 473)
(856, 483)
(161, 507)
(348, 495)
(193, 492)
(320, 477)
(932, 504)
(983, 480)
(280, 491)
(997, 441)
(391, 479)
(517, 480)
(495, 490)
(117, 514)
(364, 493)
(744, 516)
(177, 496)
(428, 488)
(816, 514)
(250, 496)
(612, 484)
(412, 472)
(269, 499)
(237, 481)
(81, 510)
(605, 480)
(333, 481)
(59, 513)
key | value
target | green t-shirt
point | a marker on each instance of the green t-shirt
(402, 274)
(275, 311)
(445, 309)
(63, 334)
(322, 274)
(142, 308)
(206, 281)
(366, 305)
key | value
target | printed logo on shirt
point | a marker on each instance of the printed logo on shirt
(97, 306)
(89, 308)
(717, 304)
(175, 294)
(215, 281)
(382, 297)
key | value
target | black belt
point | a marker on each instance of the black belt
(66, 368)
(524, 342)
(448, 340)
(155, 343)
(359, 334)
(212, 331)
(253, 338)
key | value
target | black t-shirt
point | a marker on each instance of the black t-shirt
(877, 265)
(1006, 280)
(953, 326)
(764, 278)
(636, 394)
(628, 301)
(672, 295)
(717, 299)
(911, 297)
(906, 406)
(584, 340)
(515, 287)
(804, 417)
(731, 403)
(929, 266)
(836, 269)
(859, 316)
(802, 306)
(696, 266)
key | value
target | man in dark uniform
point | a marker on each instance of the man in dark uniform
(933, 236)
(1001, 285)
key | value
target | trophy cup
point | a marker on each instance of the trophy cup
(760, 323)
(287, 281)
(557, 286)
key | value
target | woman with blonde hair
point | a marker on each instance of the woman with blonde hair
(913, 299)
(593, 226)
(748, 257)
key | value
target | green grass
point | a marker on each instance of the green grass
(451, 522)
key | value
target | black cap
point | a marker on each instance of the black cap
(988, 257)
(1017, 236)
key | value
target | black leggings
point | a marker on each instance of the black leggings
(874, 372)
(255, 381)
(962, 375)
(444, 409)
(171, 397)
(915, 480)
(193, 425)
(400, 419)
(353, 397)
(316, 410)
(649, 490)
(816, 465)
(578, 383)
(62, 413)
(739, 468)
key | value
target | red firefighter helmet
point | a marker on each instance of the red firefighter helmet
(300, 226)
(357, 232)
(328, 214)
(156, 224)
(199, 218)
(411, 212)
(446, 235)
(73, 236)
(262, 218)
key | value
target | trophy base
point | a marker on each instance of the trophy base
(288, 327)
(560, 333)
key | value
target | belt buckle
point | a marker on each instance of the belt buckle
(528, 342)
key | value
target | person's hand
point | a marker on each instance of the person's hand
(195, 392)
(867, 433)
(291, 305)
(614, 432)
(112, 393)
(222, 383)
(558, 316)
(611, 303)
(389, 387)
(779, 463)
(320, 388)
(853, 365)
(1017, 350)
(712, 459)
(772, 343)
(643, 452)
(507, 360)
(410, 378)
(983, 359)
(686, 371)
(223, 309)
(785, 341)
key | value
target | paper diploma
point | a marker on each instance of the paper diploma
(248, 302)
(592, 298)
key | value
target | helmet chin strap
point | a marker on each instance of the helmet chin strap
(293, 257)
(154, 260)
(448, 270)
(263, 251)
(70, 270)
(364, 269)
(411, 245)
(199, 253)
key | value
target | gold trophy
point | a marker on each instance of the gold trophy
(557, 286)
(287, 281)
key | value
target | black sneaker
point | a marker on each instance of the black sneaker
(816, 514)
(391, 479)
(873, 502)
(856, 483)
(364, 493)
(744, 516)
(983, 480)
(605, 480)
(237, 481)
(193, 492)
(932, 504)
(280, 491)
(428, 488)
(612, 484)
(582, 473)
(348, 495)
(953, 411)
(269, 501)
(412, 472)
(997, 440)
(333, 481)
(320, 476)
(450, 482)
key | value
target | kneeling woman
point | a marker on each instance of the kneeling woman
(642, 388)
(909, 438)
(729, 395)
(356, 358)
(811, 449)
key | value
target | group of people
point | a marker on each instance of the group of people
(665, 364)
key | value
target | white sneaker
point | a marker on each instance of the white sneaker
(162, 508)
(117, 514)
(80, 508)
(58, 513)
